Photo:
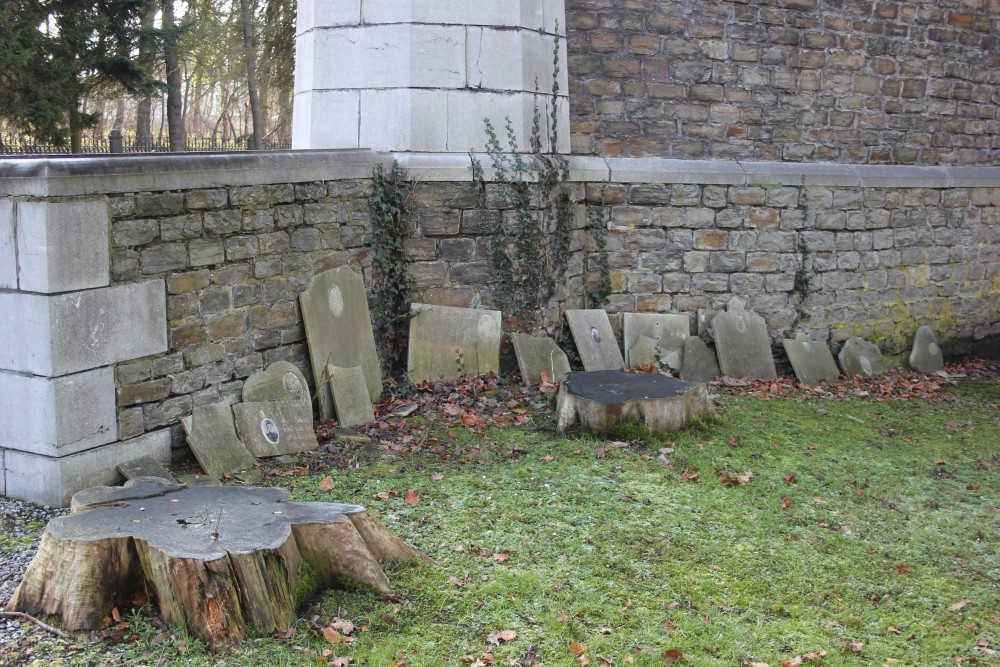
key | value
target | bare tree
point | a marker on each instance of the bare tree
(175, 100)
(251, 58)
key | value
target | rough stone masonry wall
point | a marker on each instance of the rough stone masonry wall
(861, 81)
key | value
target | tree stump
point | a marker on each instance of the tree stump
(223, 561)
(601, 399)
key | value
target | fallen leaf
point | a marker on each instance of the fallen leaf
(116, 615)
(902, 569)
(893, 630)
(958, 605)
(332, 636)
(668, 625)
(182, 647)
(786, 502)
(340, 661)
(344, 626)
(577, 649)
(734, 478)
(791, 480)
(583, 659)
(327, 484)
(501, 557)
(501, 636)
(381, 495)
(411, 497)
(671, 655)
(853, 647)
(437, 477)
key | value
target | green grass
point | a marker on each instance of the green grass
(890, 520)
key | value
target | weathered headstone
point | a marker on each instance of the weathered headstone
(448, 342)
(211, 434)
(144, 466)
(536, 354)
(653, 338)
(705, 318)
(339, 331)
(811, 360)
(700, 364)
(273, 428)
(280, 381)
(861, 357)
(926, 355)
(742, 343)
(350, 396)
(595, 341)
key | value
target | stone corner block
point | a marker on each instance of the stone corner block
(63, 246)
(66, 333)
(53, 481)
(58, 416)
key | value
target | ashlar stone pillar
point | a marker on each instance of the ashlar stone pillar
(421, 75)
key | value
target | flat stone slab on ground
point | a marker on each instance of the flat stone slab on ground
(144, 466)
(211, 434)
(350, 396)
(861, 357)
(448, 342)
(700, 364)
(601, 399)
(339, 331)
(274, 428)
(537, 354)
(654, 338)
(742, 343)
(811, 360)
(926, 355)
(595, 341)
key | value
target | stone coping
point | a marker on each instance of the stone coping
(72, 176)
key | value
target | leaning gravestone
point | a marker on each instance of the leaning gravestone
(811, 360)
(350, 396)
(211, 434)
(339, 331)
(705, 318)
(700, 364)
(448, 342)
(537, 355)
(926, 355)
(144, 466)
(595, 341)
(273, 428)
(742, 343)
(653, 338)
(280, 381)
(224, 562)
(861, 357)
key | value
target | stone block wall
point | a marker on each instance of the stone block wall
(801, 80)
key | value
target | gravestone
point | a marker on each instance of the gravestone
(926, 355)
(280, 381)
(339, 331)
(700, 364)
(448, 342)
(742, 343)
(350, 396)
(273, 428)
(861, 357)
(144, 466)
(211, 434)
(536, 354)
(705, 318)
(811, 360)
(595, 341)
(653, 338)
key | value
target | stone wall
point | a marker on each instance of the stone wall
(133, 289)
(800, 80)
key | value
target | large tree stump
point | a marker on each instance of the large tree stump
(224, 561)
(601, 399)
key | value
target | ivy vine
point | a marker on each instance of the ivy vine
(389, 301)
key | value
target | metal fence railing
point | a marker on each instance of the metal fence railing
(11, 144)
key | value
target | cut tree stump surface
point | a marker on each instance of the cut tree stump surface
(221, 560)
(601, 399)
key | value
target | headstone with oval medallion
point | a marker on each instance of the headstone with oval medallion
(595, 341)
(926, 355)
(742, 343)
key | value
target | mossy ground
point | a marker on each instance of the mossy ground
(867, 523)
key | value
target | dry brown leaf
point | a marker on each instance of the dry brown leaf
(332, 636)
(342, 625)
(501, 636)
(958, 605)
(411, 497)
(577, 649)
(853, 647)
(327, 484)
(671, 655)
(583, 659)
(501, 557)
(340, 661)
(786, 502)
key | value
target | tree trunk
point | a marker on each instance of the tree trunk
(223, 561)
(175, 101)
(75, 130)
(251, 58)
(144, 108)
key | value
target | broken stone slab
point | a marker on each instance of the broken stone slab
(926, 355)
(538, 354)
(280, 381)
(595, 341)
(601, 399)
(350, 396)
(700, 364)
(144, 466)
(742, 343)
(811, 360)
(223, 562)
(861, 357)
(211, 435)
(339, 331)
(705, 318)
(654, 338)
(448, 342)
(275, 428)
